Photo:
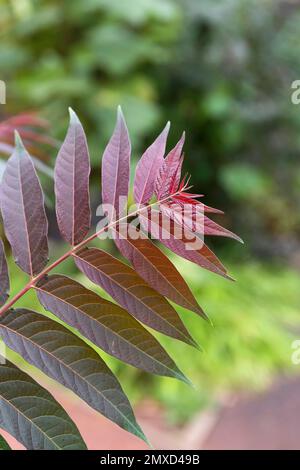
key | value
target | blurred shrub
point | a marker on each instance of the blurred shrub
(91, 55)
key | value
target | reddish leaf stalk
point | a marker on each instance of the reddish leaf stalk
(73, 250)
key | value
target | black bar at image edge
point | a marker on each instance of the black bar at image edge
(133, 459)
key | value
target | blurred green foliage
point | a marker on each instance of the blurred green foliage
(222, 70)
(91, 55)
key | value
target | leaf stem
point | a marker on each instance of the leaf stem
(73, 250)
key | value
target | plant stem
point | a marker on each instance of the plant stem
(73, 250)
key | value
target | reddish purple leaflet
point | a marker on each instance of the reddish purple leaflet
(72, 170)
(147, 168)
(116, 168)
(196, 221)
(175, 180)
(168, 170)
(23, 212)
(212, 228)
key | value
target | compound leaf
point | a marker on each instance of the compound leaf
(169, 171)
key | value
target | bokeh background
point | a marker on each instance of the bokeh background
(221, 70)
